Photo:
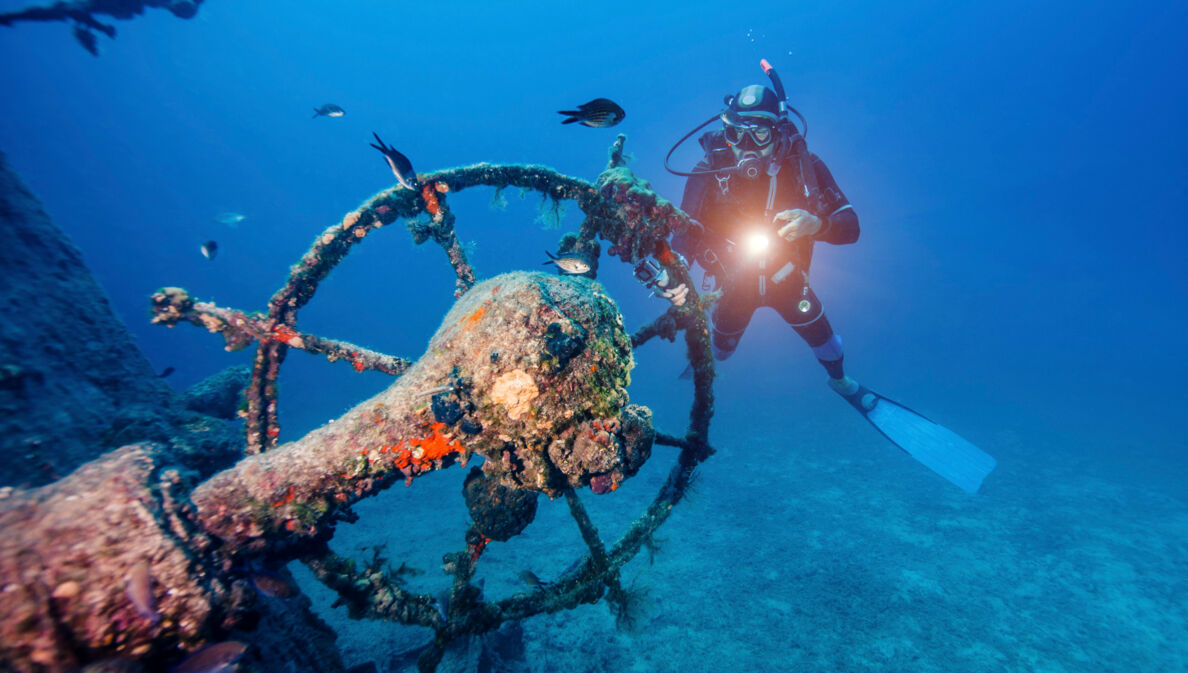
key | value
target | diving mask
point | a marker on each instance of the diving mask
(760, 133)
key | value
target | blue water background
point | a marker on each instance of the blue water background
(1018, 169)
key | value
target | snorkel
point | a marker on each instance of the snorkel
(753, 159)
(749, 167)
(777, 85)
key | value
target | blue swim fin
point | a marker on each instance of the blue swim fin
(937, 447)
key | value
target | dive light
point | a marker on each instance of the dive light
(757, 243)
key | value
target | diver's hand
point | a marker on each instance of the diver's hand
(656, 278)
(799, 223)
(676, 295)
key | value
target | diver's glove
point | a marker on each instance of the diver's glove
(676, 295)
(657, 280)
(799, 223)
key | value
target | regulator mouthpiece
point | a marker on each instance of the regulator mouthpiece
(750, 166)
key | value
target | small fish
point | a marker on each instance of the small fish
(217, 658)
(139, 590)
(598, 113)
(210, 249)
(116, 665)
(434, 391)
(165, 373)
(406, 659)
(328, 110)
(400, 165)
(528, 577)
(271, 584)
(571, 263)
(229, 218)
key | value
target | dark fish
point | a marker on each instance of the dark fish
(139, 590)
(271, 584)
(216, 658)
(571, 263)
(598, 113)
(400, 165)
(87, 39)
(328, 110)
(210, 249)
(165, 373)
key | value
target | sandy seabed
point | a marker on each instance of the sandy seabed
(810, 557)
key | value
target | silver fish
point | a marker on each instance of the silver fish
(229, 218)
(217, 658)
(116, 665)
(571, 263)
(434, 391)
(400, 165)
(328, 110)
(139, 590)
(528, 577)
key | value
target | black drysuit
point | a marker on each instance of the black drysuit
(749, 281)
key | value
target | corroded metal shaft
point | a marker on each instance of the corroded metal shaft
(521, 360)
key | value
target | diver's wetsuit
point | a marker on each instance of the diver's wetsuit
(730, 216)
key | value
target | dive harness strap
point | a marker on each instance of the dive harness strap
(808, 181)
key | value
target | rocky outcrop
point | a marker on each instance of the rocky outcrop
(72, 386)
(68, 366)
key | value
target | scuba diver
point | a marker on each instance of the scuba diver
(760, 201)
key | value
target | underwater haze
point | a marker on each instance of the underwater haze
(1018, 172)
